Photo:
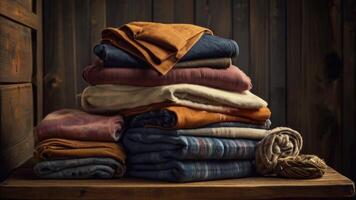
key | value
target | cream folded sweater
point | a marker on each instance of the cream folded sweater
(112, 98)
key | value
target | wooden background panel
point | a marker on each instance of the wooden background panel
(314, 106)
(294, 51)
(16, 125)
(15, 52)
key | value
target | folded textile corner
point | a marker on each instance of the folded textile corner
(78, 125)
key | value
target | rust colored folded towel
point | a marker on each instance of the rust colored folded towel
(146, 41)
(116, 98)
(56, 148)
(231, 79)
(187, 118)
(78, 125)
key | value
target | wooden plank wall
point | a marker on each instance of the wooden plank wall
(300, 55)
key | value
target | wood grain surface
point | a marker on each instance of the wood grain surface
(23, 185)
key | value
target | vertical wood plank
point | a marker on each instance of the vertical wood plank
(216, 15)
(241, 32)
(163, 11)
(120, 12)
(38, 70)
(349, 88)
(313, 95)
(277, 64)
(173, 11)
(97, 22)
(60, 60)
(294, 58)
(184, 11)
(83, 50)
(259, 57)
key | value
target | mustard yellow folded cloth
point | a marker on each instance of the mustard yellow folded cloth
(56, 148)
(160, 45)
(193, 118)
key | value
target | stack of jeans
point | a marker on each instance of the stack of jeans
(189, 112)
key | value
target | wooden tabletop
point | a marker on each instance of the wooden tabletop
(24, 185)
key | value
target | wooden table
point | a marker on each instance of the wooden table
(24, 185)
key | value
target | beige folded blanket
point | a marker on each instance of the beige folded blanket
(113, 98)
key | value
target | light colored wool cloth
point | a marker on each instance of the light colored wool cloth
(278, 154)
(113, 98)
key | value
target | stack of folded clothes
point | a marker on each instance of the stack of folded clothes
(74, 144)
(190, 113)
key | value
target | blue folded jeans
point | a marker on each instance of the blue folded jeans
(208, 46)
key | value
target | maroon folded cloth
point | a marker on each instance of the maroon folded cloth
(231, 79)
(78, 125)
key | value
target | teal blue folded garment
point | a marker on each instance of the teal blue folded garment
(78, 168)
(188, 171)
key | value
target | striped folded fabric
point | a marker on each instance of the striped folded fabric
(154, 148)
(188, 171)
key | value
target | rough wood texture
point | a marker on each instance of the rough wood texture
(20, 11)
(277, 61)
(124, 11)
(16, 122)
(259, 68)
(349, 88)
(23, 185)
(15, 52)
(215, 15)
(173, 11)
(241, 32)
(314, 82)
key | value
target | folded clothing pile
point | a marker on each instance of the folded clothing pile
(189, 111)
(74, 144)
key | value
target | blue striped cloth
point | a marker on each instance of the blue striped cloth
(158, 148)
(188, 171)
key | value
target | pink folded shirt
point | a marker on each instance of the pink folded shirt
(78, 125)
(231, 79)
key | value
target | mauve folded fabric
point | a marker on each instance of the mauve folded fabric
(78, 125)
(146, 41)
(144, 147)
(179, 117)
(231, 79)
(207, 47)
(217, 132)
(114, 98)
(56, 148)
(188, 171)
(79, 168)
